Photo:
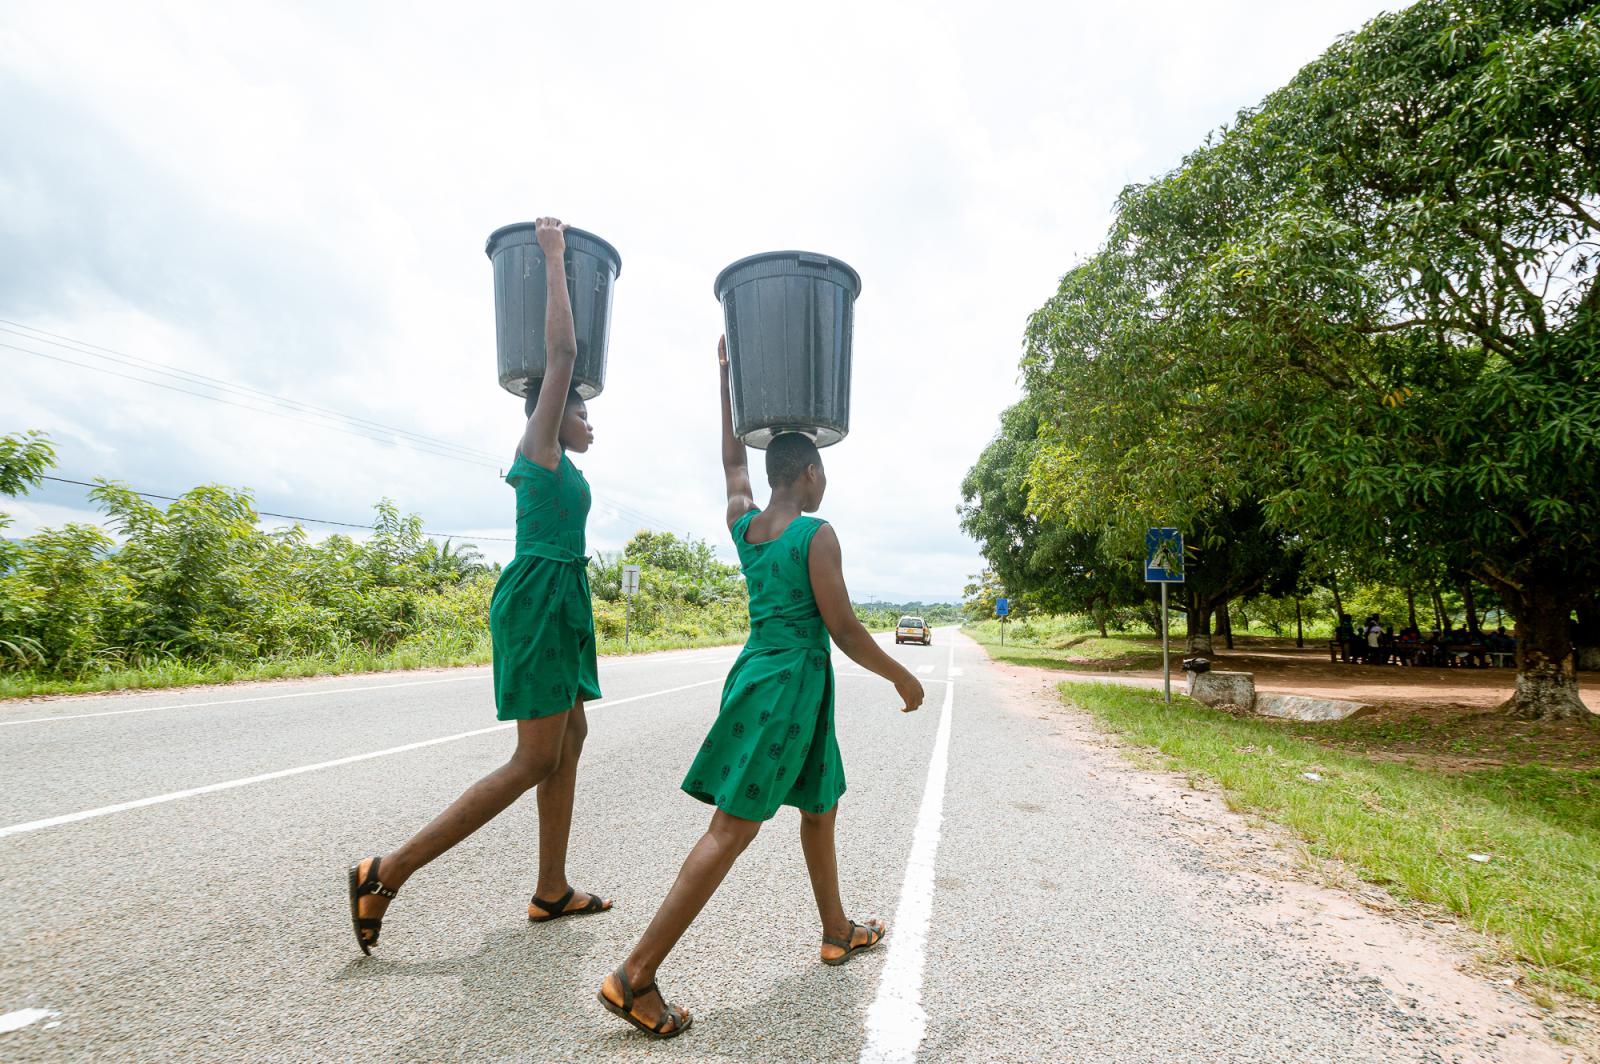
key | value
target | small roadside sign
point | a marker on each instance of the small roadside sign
(1002, 607)
(1163, 564)
(1163, 556)
(630, 580)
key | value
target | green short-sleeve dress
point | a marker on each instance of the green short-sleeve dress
(541, 621)
(773, 742)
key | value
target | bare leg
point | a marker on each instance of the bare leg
(703, 871)
(537, 754)
(822, 862)
(555, 816)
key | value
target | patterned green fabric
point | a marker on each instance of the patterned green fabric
(540, 620)
(773, 742)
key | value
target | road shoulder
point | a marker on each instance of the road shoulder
(1424, 961)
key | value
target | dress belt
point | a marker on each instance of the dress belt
(576, 609)
(789, 635)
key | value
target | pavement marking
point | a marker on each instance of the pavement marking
(481, 675)
(896, 1020)
(227, 785)
(237, 701)
(924, 670)
(16, 1021)
(956, 670)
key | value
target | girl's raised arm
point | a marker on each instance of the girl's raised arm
(735, 459)
(540, 439)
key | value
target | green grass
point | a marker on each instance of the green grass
(1048, 645)
(432, 654)
(1405, 827)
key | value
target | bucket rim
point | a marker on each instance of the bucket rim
(572, 230)
(717, 287)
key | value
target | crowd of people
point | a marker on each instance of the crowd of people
(1374, 643)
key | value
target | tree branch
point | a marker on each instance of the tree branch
(1577, 208)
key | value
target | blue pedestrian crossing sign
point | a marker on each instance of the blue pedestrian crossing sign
(1002, 607)
(1163, 556)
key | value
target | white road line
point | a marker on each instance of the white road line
(896, 1020)
(16, 1021)
(481, 675)
(227, 785)
(238, 701)
(924, 670)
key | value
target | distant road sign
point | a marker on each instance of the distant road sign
(630, 580)
(1163, 556)
(1002, 607)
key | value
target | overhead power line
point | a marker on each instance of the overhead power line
(350, 430)
(309, 413)
(293, 517)
(190, 377)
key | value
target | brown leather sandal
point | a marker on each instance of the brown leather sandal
(366, 927)
(680, 1019)
(848, 944)
(555, 910)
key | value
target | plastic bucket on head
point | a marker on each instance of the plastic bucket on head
(788, 316)
(519, 305)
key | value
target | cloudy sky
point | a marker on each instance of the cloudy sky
(294, 199)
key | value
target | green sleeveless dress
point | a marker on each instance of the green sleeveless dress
(541, 622)
(773, 742)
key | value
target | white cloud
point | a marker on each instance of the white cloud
(296, 199)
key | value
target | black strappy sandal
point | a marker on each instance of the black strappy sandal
(360, 888)
(848, 943)
(555, 910)
(679, 1018)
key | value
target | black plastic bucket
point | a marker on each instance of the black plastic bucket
(789, 317)
(519, 297)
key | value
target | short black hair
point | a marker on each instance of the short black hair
(531, 400)
(787, 457)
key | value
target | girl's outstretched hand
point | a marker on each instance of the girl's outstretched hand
(551, 234)
(910, 691)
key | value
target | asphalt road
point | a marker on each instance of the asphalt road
(172, 870)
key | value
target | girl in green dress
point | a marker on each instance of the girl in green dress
(542, 627)
(772, 743)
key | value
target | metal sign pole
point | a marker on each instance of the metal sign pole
(1163, 564)
(1166, 660)
(630, 588)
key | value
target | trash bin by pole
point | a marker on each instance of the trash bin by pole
(789, 316)
(519, 305)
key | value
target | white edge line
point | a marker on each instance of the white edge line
(211, 788)
(896, 1020)
(477, 675)
(16, 1021)
(239, 701)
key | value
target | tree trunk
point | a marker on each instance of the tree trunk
(1411, 606)
(1472, 610)
(1199, 626)
(1547, 683)
(1300, 626)
(1338, 603)
(1100, 607)
(1225, 625)
(1438, 608)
